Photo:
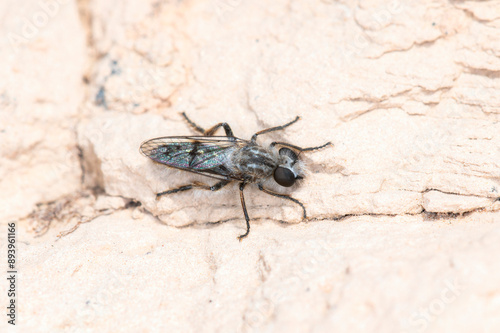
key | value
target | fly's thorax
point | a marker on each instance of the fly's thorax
(254, 162)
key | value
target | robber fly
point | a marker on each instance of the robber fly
(229, 159)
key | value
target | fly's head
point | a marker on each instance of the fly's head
(289, 168)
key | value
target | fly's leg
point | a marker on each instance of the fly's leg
(299, 148)
(210, 131)
(272, 129)
(195, 185)
(244, 206)
(193, 124)
(227, 129)
(283, 196)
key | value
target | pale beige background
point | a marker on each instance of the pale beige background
(404, 225)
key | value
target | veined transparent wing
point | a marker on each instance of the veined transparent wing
(206, 155)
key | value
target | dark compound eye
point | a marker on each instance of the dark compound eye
(284, 176)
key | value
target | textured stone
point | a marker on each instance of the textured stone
(439, 202)
(403, 230)
(43, 57)
(391, 274)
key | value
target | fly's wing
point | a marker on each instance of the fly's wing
(199, 154)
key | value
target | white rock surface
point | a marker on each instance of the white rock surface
(439, 202)
(43, 56)
(403, 232)
(375, 274)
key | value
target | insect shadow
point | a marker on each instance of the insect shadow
(230, 159)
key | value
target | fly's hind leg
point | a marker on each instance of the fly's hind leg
(195, 185)
(193, 124)
(283, 196)
(210, 131)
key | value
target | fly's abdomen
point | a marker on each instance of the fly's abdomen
(189, 154)
(253, 162)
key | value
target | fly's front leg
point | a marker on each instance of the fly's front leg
(210, 131)
(284, 144)
(283, 196)
(272, 129)
(195, 185)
